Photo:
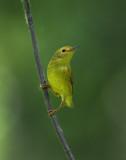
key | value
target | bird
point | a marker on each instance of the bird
(60, 77)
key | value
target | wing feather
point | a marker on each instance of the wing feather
(71, 81)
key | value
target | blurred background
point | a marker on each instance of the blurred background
(96, 128)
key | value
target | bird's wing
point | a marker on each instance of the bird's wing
(71, 81)
(67, 74)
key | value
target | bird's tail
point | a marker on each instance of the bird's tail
(69, 101)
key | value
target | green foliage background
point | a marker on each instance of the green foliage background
(96, 128)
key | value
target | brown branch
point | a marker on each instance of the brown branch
(42, 79)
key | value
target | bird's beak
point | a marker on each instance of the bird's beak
(73, 48)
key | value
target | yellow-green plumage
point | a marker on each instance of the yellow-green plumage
(60, 76)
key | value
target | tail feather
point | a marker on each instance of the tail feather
(69, 101)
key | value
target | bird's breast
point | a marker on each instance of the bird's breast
(57, 77)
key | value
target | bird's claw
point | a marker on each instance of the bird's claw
(51, 112)
(43, 86)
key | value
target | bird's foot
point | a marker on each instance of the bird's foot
(44, 86)
(48, 86)
(51, 112)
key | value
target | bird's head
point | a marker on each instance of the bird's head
(64, 54)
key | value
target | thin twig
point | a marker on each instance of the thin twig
(42, 79)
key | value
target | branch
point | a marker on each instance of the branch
(42, 79)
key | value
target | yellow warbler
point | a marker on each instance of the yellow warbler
(60, 76)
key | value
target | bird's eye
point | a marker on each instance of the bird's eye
(63, 50)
